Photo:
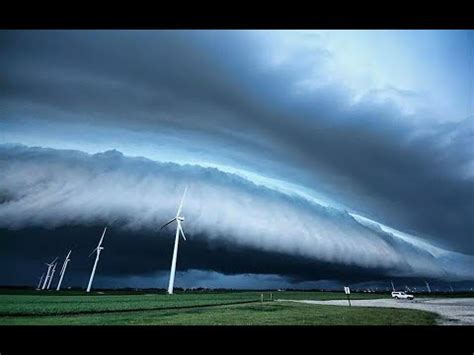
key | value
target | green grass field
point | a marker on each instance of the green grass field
(194, 308)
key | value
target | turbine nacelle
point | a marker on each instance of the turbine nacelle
(52, 262)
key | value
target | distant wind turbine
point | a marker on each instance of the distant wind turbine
(63, 270)
(52, 274)
(179, 230)
(428, 286)
(50, 265)
(98, 250)
(40, 281)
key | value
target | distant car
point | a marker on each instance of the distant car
(402, 296)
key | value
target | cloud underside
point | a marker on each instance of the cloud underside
(233, 226)
(278, 105)
(248, 99)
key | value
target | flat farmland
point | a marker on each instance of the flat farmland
(196, 308)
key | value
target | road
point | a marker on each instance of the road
(453, 311)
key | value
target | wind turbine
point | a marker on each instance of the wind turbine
(98, 250)
(50, 265)
(52, 275)
(179, 230)
(40, 281)
(428, 286)
(63, 270)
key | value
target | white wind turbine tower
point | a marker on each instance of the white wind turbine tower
(50, 265)
(63, 270)
(40, 281)
(98, 250)
(428, 286)
(52, 275)
(179, 230)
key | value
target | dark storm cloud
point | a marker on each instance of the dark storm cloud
(214, 89)
(234, 226)
(148, 254)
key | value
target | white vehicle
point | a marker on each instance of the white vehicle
(402, 295)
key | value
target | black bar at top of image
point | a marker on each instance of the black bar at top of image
(390, 16)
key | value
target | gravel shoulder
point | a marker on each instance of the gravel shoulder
(453, 311)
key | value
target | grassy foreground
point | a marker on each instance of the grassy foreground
(226, 308)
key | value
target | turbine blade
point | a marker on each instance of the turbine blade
(102, 238)
(62, 267)
(164, 225)
(93, 251)
(181, 230)
(182, 200)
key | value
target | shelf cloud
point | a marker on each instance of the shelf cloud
(46, 188)
(351, 150)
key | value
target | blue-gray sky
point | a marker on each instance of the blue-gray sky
(343, 148)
